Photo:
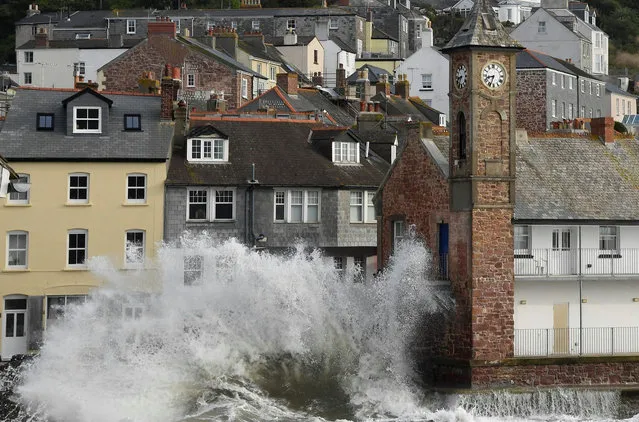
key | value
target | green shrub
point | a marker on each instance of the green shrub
(619, 127)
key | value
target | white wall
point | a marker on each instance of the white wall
(333, 56)
(53, 67)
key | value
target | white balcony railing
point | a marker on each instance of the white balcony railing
(554, 262)
(600, 341)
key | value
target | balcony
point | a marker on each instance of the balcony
(558, 342)
(573, 262)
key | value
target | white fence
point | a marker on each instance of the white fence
(574, 341)
(557, 262)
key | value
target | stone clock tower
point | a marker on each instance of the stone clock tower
(482, 187)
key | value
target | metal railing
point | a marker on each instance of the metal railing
(585, 261)
(550, 342)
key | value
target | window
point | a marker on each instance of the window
(570, 111)
(177, 26)
(77, 248)
(28, 78)
(79, 188)
(134, 247)
(360, 267)
(360, 47)
(398, 232)
(561, 240)
(130, 26)
(259, 68)
(522, 240)
(361, 25)
(297, 206)
(541, 28)
(132, 122)
(20, 197)
(45, 121)
(462, 136)
(190, 80)
(83, 36)
(244, 88)
(273, 73)
(210, 204)
(563, 81)
(17, 244)
(136, 188)
(510, 14)
(362, 207)
(290, 24)
(569, 82)
(255, 25)
(553, 78)
(332, 24)
(623, 105)
(598, 90)
(630, 107)
(582, 86)
(234, 24)
(338, 263)
(345, 152)
(563, 110)
(442, 120)
(208, 150)
(427, 81)
(609, 238)
(590, 87)
(617, 106)
(583, 111)
(553, 108)
(193, 269)
(58, 305)
(79, 68)
(28, 56)
(87, 120)
(418, 31)
(315, 57)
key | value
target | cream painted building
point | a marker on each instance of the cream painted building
(305, 53)
(97, 165)
(619, 103)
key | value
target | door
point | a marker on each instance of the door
(14, 327)
(561, 332)
(443, 250)
(562, 256)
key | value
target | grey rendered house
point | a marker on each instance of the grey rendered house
(270, 183)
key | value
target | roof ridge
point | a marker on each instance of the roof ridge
(131, 93)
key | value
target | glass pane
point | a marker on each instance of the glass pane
(224, 211)
(313, 214)
(356, 213)
(81, 113)
(197, 211)
(296, 213)
(12, 304)
(94, 113)
(279, 212)
(93, 124)
(20, 324)
(10, 317)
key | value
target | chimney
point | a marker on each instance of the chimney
(179, 130)
(148, 84)
(162, 26)
(256, 39)
(321, 29)
(224, 39)
(42, 39)
(170, 86)
(340, 79)
(33, 10)
(115, 41)
(624, 81)
(402, 86)
(427, 36)
(216, 103)
(290, 38)
(367, 121)
(288, 82)
(604, 128)
(80, 84)
(383, 86)
(364, 85)
(318, 79)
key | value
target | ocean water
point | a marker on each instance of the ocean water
(260, 337)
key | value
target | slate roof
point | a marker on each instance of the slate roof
(85, 19)
(20, 141)
(378, 34)
(341, 44)
(529, 59)
(374, 74)
(321, 102)
(83, 44)
(39, 18)
(481, 29)
(577, 71)
(301, 40)
(283, 156)
(396, 106)
(610, 87)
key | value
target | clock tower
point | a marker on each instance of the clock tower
(482, 187)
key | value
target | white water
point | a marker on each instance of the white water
(262, 338)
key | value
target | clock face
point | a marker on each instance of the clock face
(493, 75)
(461, 76)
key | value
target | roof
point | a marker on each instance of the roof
(481, 29)
(530, 59)
(374, 74)
(304, 164)
(610, 87)
(40, 18)
(396, 106)
(320, 101)
(341, 44)
(378, 34)
(83, 44)
(577, 71)
(278, 99)
(85, 19)
(301, 40)
(20, 141)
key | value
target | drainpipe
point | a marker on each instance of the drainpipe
(251, 190)
(580, 298)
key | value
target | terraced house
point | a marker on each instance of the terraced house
(96, 163)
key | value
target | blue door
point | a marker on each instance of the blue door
(443, 250)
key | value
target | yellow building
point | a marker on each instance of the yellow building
(96, 164)
(262, 58)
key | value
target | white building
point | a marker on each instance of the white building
(428, 73)
(53, 63)
(515, 11)
(337, 53)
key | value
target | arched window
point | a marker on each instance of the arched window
(462, 136)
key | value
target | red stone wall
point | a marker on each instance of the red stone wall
(531, 100)
(123, 73)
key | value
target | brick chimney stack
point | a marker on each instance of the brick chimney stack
(604, 128)
(402, 86)
(162, 26)
(383, 85)
(288, 82)
(318, 79)
(340, 79)
(170, 86)
(42, 39)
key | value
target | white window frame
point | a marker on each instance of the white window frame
(352, 152)
(193, 265)
(207, 146)
(20, 198)
(131, 26)
(19, 266)
(291, 24)
(598, 90)
(134, 253)
(273, 74)
(210, 204)
(244, 88)
(582, 86)
(553, 108)
(79, 188)
(49, 307)
(305, 205)
(255, 25)
(609, 237)
(364, 207)
(28, 78)
(85, 249)
(541, 27)
(399, 232)
(332, 24)
(553, 77)
(80, 68)
(83, 36)
(442, 120)
(418, 31)
(135, 189)
(563, 81)
(569, 82)
(88, 119)
(190, 80)
(521, 233)
(427, 81)
(28, 56)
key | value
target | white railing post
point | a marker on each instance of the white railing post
(612, 340)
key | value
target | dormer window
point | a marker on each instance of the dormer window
(345, 152)
(87, 120)
(212, 150)
(45, 121)
(132, 122)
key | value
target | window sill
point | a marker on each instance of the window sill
(17, 205)
(133, 204)
(78, 204)
(426, 89)
(209, 221)
(363, 222)
(16, 270)
(72, 269)
(608, 255)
